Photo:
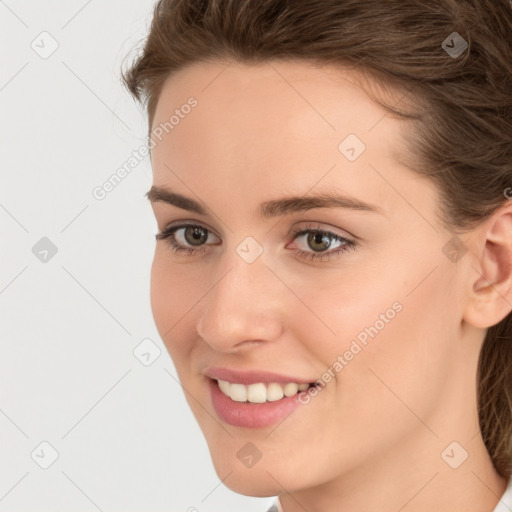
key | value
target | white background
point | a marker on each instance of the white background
(125, 437)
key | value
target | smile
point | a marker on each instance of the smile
(260, 392)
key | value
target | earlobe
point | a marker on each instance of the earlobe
(491, 293)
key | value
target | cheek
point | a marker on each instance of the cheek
(409, 358)
(396, 319)
(400, 298)
(346, 308)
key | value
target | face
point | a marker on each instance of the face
(265, 292)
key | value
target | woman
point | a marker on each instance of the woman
(333, 269)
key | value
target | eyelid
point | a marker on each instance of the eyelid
(321, 226)
(183, 223)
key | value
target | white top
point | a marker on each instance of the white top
(504, 505)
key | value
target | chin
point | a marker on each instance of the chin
(256, 481)
(257, 485)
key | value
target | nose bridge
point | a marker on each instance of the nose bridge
(242, 304)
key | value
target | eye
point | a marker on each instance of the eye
(193, 234)
(320, 240)
(191, 239)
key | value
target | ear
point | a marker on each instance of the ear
(491, 290)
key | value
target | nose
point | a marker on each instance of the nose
(243, 308)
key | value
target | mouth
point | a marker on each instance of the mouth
(260, 392)
(257, 404)
(255, 398)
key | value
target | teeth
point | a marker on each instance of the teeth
(256, 393)
(260, 392)
(274, 392)
(224, 386)
(238, 392)
(291, 389)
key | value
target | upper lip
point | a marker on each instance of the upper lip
(251, 376)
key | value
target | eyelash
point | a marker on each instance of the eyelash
(169, 236)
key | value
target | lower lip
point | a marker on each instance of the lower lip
(242, 414)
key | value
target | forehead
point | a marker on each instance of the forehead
(285, 124)
(301, 90)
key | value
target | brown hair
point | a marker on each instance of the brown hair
(462, 106)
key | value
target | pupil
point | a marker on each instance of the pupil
(318, 238)
(195, 234)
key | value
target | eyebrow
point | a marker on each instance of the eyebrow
(268, 209)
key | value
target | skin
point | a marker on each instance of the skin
(372, 439)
